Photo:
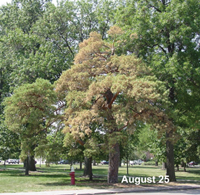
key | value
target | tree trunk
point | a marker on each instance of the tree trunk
(184, 167)
(164, 165)
(120, 160)
(156, 163)
(32, 164)
(170, 159)
(114, 158)
(177, 167)
(120, 163)
(183, 164)
(26, 164)
(81, 165)
(88, 168)
(127, 165)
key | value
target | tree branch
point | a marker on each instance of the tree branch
(113, 99)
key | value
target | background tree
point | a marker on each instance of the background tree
(113, 91)
(9, 143)
(151, 141)
(39, 40)
(86, 149)
(29, 112)
(128, 148)
(51, 148)
(166, 35)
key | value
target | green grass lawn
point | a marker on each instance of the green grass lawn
(56, 177)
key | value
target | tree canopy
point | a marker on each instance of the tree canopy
(166, 35)
(29, 112)
(113, 91)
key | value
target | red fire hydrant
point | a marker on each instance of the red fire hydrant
(72, 175)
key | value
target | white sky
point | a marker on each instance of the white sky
(3, 2)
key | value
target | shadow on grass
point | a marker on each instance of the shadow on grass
(49, 176)
(97, 184)
(98, 173)
(53, 169)
(63, 176)
(142, 167)
(189, 182)
(197, 172)
(17, 173)
(12, 173)
(190, 179)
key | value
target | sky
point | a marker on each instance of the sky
(3, 2)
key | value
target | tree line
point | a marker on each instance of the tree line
(90, 74)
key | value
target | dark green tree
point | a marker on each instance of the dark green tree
(9, 143)
(40, 40)
(29, 112)
(166, 35)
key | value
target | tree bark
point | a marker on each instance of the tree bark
(177, 167)
(32, 166)
(120, 163)
(26, 164)
(81, 165)
(170, 158)
(184, 167)
(114, 158)
(164, 165)
(183, 164)
(88, 168)
(156, 163)
(127, 164)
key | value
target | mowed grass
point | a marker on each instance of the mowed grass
(56, 177)
(192, 174)
(13, 179)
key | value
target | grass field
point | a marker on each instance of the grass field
(56, 177)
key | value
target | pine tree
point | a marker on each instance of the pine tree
(111, 90)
